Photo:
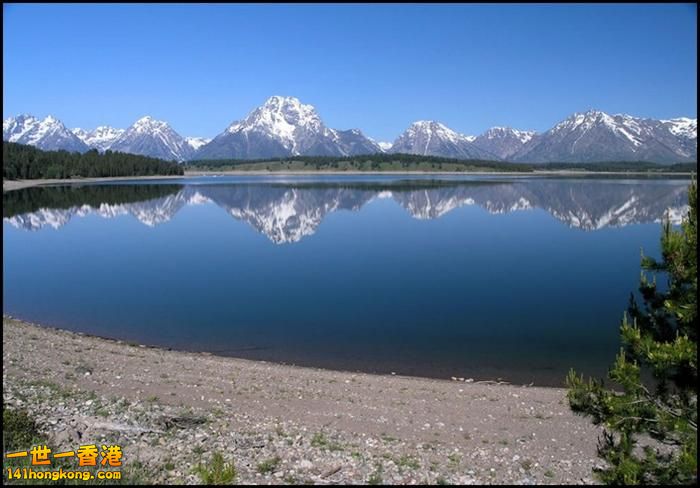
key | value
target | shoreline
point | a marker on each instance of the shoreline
(450, 173)
(11, 185)
(452, 379)
(312, 420)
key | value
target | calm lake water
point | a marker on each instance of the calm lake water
(518, 278)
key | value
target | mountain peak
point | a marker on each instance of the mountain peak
(284, 126)
(197, 142)
(682, 127)
(283, 119)
(595, 136)
(46, 134)
(523, 136)
(278, 100)
(289, 108)
(432, 138)
(151, 137)
(146, 119)
(385, 146)
(149, 124)
(584, 119)
(428, 124)
(101, 138)
(435, 128)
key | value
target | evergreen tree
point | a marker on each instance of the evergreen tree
(650, 420)
(27, 162)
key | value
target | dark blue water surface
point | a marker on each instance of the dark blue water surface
(518, 278)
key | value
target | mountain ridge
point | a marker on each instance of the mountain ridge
(286, 127)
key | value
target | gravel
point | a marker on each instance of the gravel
(280, 424)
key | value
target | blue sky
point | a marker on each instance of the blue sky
(374, 67)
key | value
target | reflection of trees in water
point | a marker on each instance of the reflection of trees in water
(286, 212)
(62, 197)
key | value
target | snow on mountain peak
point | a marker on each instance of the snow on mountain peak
(432, 138)
(584, 120)
(101, 138)
(197, 142)
(47, 134)
(277, 101)
(150, 137)
(523, 136)
(283, 118)
(284, 125)
(385, 146)
(432, 127)
(148, 123)
(49, 123)
(682, 127)
(15, 128)
(427, 125)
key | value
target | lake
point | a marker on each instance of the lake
(483, 277)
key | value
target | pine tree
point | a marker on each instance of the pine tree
(650, 418)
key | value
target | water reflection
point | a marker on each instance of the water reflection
(288, 212)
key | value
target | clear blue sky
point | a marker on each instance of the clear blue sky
(375, 67)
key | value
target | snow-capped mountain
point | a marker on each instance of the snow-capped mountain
(682, 127)
(282, 127)
(101, 138)
(503, 142)
(685, 131)
(385, 146)
(430, 138)
(197, 142)
(48, 134)
(155, 138)
(596, 136)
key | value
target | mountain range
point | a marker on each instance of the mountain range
(285, 127)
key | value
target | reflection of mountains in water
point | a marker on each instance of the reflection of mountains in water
(286, 213)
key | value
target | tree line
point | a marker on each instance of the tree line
(368, 162)
(393, 162)
(20, 161)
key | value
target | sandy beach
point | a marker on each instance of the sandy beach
(287, 424)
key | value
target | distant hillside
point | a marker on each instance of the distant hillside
(414, 162)
(367, 162)
(20, 161)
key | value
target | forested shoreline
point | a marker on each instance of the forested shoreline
(20, 161)
(414, 162)
(27, 162)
